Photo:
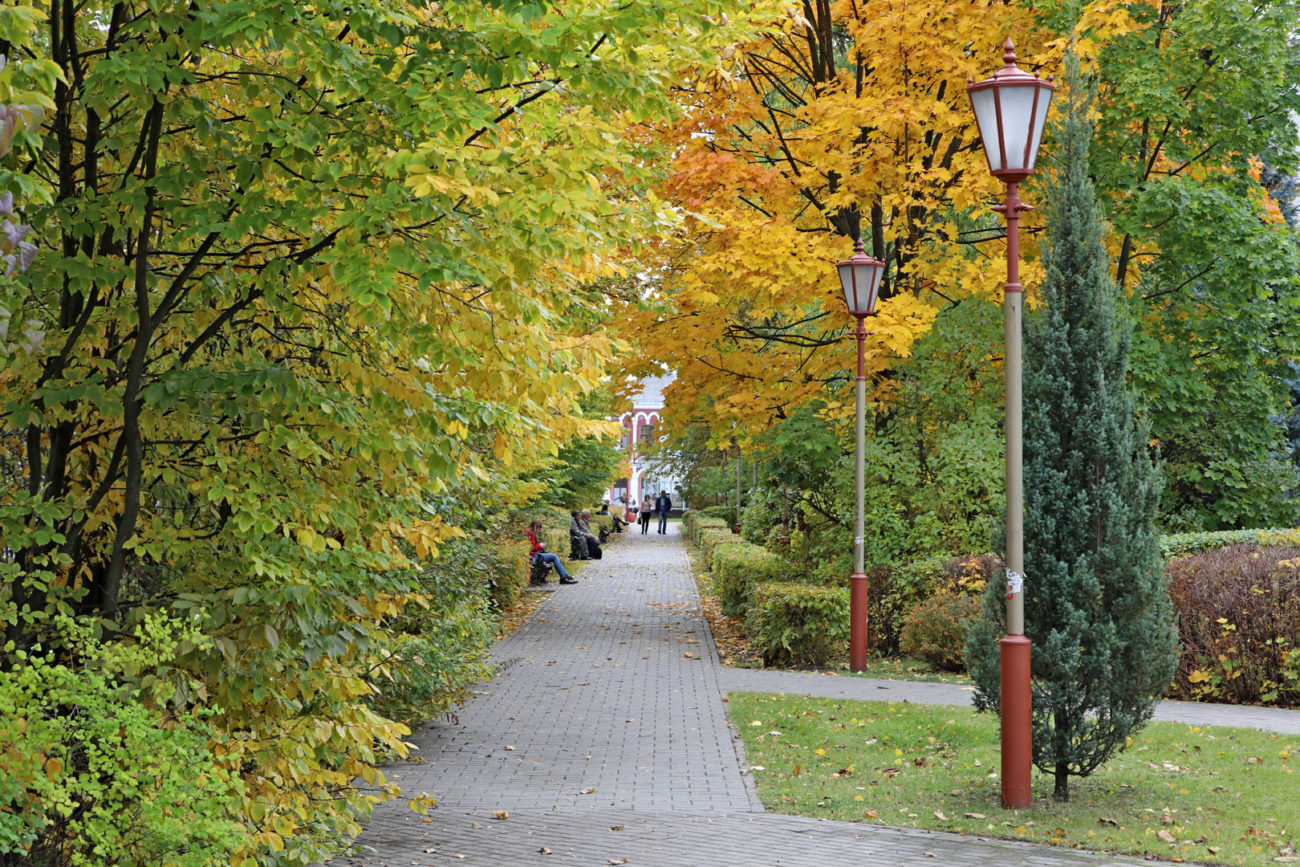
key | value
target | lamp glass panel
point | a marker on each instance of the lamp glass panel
(1017, 118)
(986, 115)
(861, 282)
(1040, 120)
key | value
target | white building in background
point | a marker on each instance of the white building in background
(648, 477)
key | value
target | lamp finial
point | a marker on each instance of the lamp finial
(1009, 54)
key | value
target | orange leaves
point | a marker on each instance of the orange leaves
(777, 172)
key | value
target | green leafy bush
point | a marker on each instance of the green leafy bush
(762, 512)
(709, 539)
(738, 569)
(438, 646)
(1179, 544)
(896, 591)
(935, 630)
(799, 624)
(727, 514)
(93, 770)
(1239, 625)
(693, 524)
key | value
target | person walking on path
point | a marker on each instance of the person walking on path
(645, 518)
(663, 505)
(538, 552)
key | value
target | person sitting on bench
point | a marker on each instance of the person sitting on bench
(616, 524)
(539, 555)
(593, 544)
(577, 539)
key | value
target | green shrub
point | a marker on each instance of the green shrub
(505, 566)
(727, 514)
(799, 624)
(935, 630)
(439, 647)
(1179, 544)
(96, 771)
(738, 569)
(895, 591)
(711, 538)
(698, 525)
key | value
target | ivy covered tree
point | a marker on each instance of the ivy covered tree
(1097, 611)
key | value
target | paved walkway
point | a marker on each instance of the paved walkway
(605, 741)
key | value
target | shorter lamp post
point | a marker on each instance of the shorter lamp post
(860, 278)
(1010, 107)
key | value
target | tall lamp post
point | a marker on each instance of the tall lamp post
(1010, 108)
(860, 278)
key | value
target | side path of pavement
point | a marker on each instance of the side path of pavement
(603, 740)
(1269, 719)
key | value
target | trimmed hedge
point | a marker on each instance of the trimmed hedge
(709, 539)
(739, 568)
(1178, 544)
(799, 624)
(727, 514)
(693, 523)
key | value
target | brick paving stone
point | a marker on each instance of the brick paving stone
(607, 713)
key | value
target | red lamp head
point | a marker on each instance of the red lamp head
(860, 277)
(1011, 109)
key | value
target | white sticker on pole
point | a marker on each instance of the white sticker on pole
(1015, 582)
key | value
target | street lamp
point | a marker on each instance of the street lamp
(1010, 108)
(860, 277)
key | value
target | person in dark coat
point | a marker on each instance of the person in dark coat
(663, 505)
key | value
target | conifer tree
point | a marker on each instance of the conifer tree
(1096, 606)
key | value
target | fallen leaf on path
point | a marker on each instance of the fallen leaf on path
(543, 851)
(500, 814)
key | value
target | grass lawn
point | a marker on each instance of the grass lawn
(1179, 792)
(902, 668)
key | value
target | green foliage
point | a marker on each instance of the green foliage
(710, 539)
(724, 512)
(935, 630)
(935, 467)
(582, 470)
(1178, 544)
(1097, 610)
(897, 590)
(695, 525)
(798, 624)
(98, 765)
(1216, 322)
(438, 640)
(316, 296)
(740, 568)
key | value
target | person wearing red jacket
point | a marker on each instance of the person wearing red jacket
(538, 552)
